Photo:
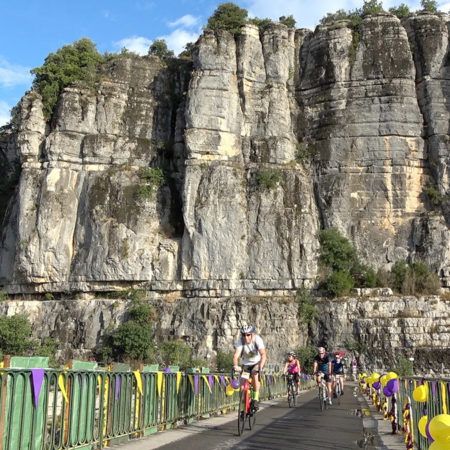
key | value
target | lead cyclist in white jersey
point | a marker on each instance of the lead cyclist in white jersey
(252, 351)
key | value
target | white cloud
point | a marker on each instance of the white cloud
(5, 115)
(13, 75)
(445, 7)
(187, 21)
(179, 38)
(136, 44)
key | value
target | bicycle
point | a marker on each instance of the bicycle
(291, 389)
(246, 410)
(323, 400)
(337, 389)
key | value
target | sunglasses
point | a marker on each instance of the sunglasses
(247, 334)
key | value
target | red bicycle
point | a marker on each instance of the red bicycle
(246, 410)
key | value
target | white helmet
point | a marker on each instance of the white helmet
(248, 329)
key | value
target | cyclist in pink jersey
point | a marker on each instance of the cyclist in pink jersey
(292, 367)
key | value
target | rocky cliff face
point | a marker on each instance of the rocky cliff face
(266, 139)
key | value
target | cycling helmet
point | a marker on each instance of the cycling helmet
(291, 354)
(248, 329)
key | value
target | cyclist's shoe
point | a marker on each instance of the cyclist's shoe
(334, 395)
(255, 405)
(329, 401)
(342, 392)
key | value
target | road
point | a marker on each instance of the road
(278, 427)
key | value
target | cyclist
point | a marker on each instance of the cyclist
(338, 373)
(323, 367)
(252, 351)
(292, 366)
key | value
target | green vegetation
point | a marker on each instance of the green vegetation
(224, 361)
(262, 24)
(77, 63)
(268, 178)
(404, 367)
(15, 335)
(159, 48)
(307, 311)
(372, 7)
(151, 179)
(429, 6)
(289, 21)
(3, 296)
(433, 195)
(401, 11)
(133, 339)
(228, 16)
(175, 352)
(48, 348)
(414, 278)
(344, 271)
(306, 357)
(305, 152)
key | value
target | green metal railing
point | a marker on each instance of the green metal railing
(438, 402)
(405, 412)
(91, 409)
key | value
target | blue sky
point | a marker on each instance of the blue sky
(31, 29)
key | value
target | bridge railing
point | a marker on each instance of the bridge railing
(405, 410)
(65, 409)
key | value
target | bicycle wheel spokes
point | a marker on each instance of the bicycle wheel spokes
(251, 418)
(321, 399)
(241, 411)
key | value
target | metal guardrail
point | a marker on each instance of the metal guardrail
(405, 413)
(91, 409)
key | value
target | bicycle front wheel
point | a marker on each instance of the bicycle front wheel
(242, 411)
(321, 399)
(251, 417)
(291, 395)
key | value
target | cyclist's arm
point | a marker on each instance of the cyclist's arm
(263, 354)
(330, 368)
(315, 367)
(236, 356)
(285, 368)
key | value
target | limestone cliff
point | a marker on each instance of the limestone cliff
(349, 128)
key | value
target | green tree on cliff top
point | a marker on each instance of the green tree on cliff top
(159, 48)
(228, 16)
(429, 6)
(75, 63)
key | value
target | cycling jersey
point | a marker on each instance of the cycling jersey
(292, 367)
(338, 368)
(322, 363)
(250, 352)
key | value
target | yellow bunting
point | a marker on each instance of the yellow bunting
(422, 424)
(159, 381)
(217, 378)
(207, 383)
(384, 380)
(440, 444)
(179, 377)
(444, 397)
(391, 376)
(191, 380)
(99, 380)
(2, 364)
(138, 377)
(62, 387)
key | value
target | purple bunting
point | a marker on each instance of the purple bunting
(434, 388)
(222, 380)
(387, 392)
(37, 377)
(196, 380)
(427, 431)
(211, 380)
(117, 387)
(167, 370)
(376, 385)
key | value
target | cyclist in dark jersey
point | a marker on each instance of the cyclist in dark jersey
(323, 367)
(338, 373)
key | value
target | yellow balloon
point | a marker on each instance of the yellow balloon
(420, 393)
(391, 375)
(440, 427)
(422, 425)
(375, 376)
(229, 390)
(440, 444)
(383, 380)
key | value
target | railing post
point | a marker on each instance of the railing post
(3, 395)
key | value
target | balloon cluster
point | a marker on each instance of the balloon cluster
(437, 431)
(389, 382)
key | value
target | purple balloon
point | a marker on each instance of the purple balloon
(387, 392)
(234, 383)
(393, 385)
(376, 385)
